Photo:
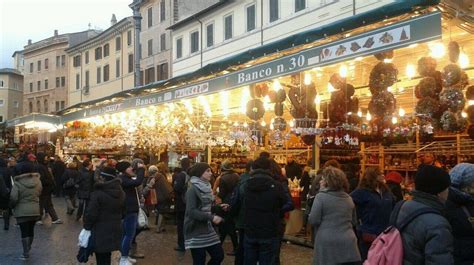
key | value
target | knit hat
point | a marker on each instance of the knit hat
(431, 179)
(394, 176)
(226, 165)
(136, 161)
(122, 166)
(462, 175)
(198, 169)
(152, 170)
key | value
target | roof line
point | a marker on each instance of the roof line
(197, 15)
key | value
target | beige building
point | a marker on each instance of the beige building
(103, 65)
(46, 72)
(11, 94)
(19, 61)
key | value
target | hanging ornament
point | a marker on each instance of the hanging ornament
(272, 95)
(279, 124)
(426, 66)
(255, 109)
(337, 81)
(453, 99)
(448, 121)
(470, 113)
(451, 75)
(280, 96)
(454, 51)
(427, 106)
(426, 88)
(384, 55)
(279, 109)
(382, 76)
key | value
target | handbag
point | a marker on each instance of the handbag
(142, 218)
(151, 198)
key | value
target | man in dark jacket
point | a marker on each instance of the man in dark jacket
(179, 187)
(58, 170)
(85, 184)
(427, 239)
(47, 181)
(292, 169)
(263, 201)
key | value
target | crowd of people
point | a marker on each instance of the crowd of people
(346, 213)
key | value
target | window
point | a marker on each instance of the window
(63, 81)
(106, 73)
(150, 47)
(2, 102)
(150, 17)
(251, 18)
(1, 83)
(150, 75)
(1, 118)
(46, 64)
(300, 5)
(163, 42)
(228, 27)
(210, 35)
(31, 107)
(31, 67)
(87, 79)
(46, 85)
(162, 71)
(194, 41)
(273, 10)
(63, 60)
(16, 104)
(15, 84)
(31, 87)
(98, 53)
(117, 68)
(38, 106)
(130, 63)
(87, 57)
(106, 50)
(179, 48)
(78, 81)
(39, 66)
(58, 82)
(129, 37)
(46, 109)
(76, 61)
(62, 104)
(38, 87)
(162, 11)
(58, 61)
(98, 75)
(118, 43)
(57, 105)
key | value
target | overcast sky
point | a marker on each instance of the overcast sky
(21, 20)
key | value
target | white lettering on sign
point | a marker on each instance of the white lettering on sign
(145, 101)
(255, 75)
(106, 109)
(191, 91)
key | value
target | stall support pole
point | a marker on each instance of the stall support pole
(364, 158)
(317, 154)
(209, 154)
(458, 148)
(381, 158)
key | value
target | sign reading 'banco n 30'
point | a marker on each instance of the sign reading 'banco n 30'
(393, 36)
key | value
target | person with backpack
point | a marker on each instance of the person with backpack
(180, 181)
(427, 237)
(85, 186)
(333, 216)
(460, 212)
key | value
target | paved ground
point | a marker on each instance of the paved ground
(57, 244)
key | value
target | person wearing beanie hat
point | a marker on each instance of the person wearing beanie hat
(393, 180)
(200, 236)
(131, 180)
(180, 181)
(427, 237)
(460, 212)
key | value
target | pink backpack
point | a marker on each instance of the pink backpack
(387, 248)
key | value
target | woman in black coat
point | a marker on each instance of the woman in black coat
(103, 218)
(70, 179)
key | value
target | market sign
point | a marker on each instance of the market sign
(394, 36)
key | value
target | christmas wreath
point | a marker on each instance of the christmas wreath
(426, 66)
(255, 109)
(382, 76)
(427, 106)
(382, 104)
(426, 88)
(453, 99)
(451, 75)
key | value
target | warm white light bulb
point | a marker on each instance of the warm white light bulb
(276, 85)
(368, 116)
(343, 71)
(394, 120)
(437, 50)
(359, 113)
(470, 102)
(292, 123)
(263, 123)
(401, 112)
(463, 60)
(307, 79)
(464, 114)
(411, 70)
(390, 89)
(317, 99)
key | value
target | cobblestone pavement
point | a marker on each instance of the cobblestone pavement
(57, 244)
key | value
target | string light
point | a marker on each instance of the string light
(437, 50)
(394, 120)
(401, 112)
(317, 99)
(292, 123)
(307, 79)
(368, 116)
(410, 71)
(343, 71)
(464, 114)
(359, 113)
(263, 123)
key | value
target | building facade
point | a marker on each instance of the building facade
(102, 65)
(19, 61)
(230, 27)
(46, 72)
(11, 94)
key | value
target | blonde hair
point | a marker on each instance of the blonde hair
(335, 179)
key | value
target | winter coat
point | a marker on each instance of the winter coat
(85, 183)
(293, 170)
(227, 184)
(104, 215)
(427, 239)
(333, 216)
(179, 188)
(24, 197)
(47, 180)
(163, 189)
(58, 169)
(129, 186)
(70, 173)
(263, 201)
(396, 190)
(463, 230)
(5, 187)
(373, 209)
(237, 201)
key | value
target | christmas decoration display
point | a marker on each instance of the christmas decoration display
(454, 51)
(427, 66)
(426, 88)
(381, 77)
(451, 75)
(453, 99)
(342, 102)
(255, 109)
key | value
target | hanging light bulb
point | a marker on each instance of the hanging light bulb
(394, 120)
(368, 116)
(359, 113)
(470, 102)
(331, 88)
(292, 123)
(463, 60)
(263, 123)
(464, 114)
(307, 78)
(246, 125)
(317, 99)
(343, 71)
(437, 50)
(401, 112)
(390, 89)
(276, 85)
(271, 126)
(411, 70)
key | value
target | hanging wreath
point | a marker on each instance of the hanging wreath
(382, 76)
(470, 92)
(255, 109)
(426, 88)
(337, 81)
(383, 104)
(272, 95)
(451, 75)
(427, 106)
(448, 121)
(350, 91)
(438, 77)
(454, 51)
(426, 66)
(453, 99)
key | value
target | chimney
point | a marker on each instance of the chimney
(113, 20)
(55, 32)
(29, 42)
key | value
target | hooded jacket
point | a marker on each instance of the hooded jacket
(129, 186)
(85, 182)
(263, 201)
(104, 215)
(24, 197)
(227, 184)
